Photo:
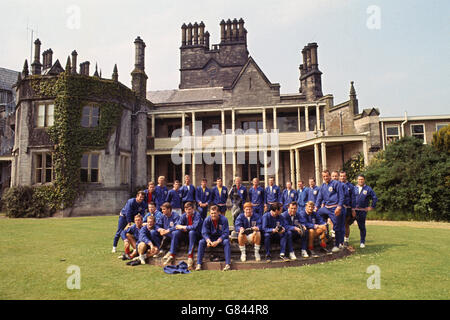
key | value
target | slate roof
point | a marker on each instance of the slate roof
(7, 78)
(185, 95)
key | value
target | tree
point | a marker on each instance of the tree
(441, 139)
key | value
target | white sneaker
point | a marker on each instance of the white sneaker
(362, 245)
(190, 263)
(142, 259)
(292, 256)
(332, 234)
(335, 249)
(243, 257)
(113, 250)
(305, 254)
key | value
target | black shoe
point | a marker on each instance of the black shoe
(313, 253)
(268, 258)
(125, 257)
(325, 250)
(135, 263)
(284, 258)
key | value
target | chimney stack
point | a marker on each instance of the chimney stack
(74, 62)
(228, 31)
(138, 76)
(235, 33)
(202, 33)
(241, 30)
(25, 71)
(195, 34)
(139, 57)
(310, 75)
(222, 31)
(36, 65)
(207, 40)
(47, 57)
(84, 68)
(189, 34)
(183, 34)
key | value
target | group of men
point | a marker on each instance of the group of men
(263, 215)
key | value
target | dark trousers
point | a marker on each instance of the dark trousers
(268, 237)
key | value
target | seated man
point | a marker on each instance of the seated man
(273, 226)
(248, 224)
(189, 227)
(294, 230)
(316, 227)
(132, 238)
(165, 227)
(147, 246)
(151, 211)
(215, 231)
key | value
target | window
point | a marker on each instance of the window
(43, 167)
(255, 125)
(45, 115)
(90, 168)
(124, 169)
(418, 131)
(90, 117)
(392, 134)
(439, 126)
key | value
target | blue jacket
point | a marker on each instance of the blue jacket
(134, 231)
(273, 196)
(330, 194)
(302, 197)
(217, 198)
(187, 194)
(242, 191)
(257, 196)
(287, 197)
(242, 221)
(144, 235)
(158, 215)
(174, 198)
(209, 231)
(197, 222)
(310, 220)
(269, 222)
(168, 222)
(348, 193)
(312, 193)
(361, 200)
(289, 224)
(132, 208)
(160, 195)
(201, 196)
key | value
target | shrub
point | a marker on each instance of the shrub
(30, 202)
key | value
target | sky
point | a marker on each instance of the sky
(396, 52)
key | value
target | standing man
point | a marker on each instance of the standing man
(203, 198)
(249, 226)
(362, 194)
(312, 190)
(215, 231)
(302, 195)
(272, 194)
(289, 195)
(238, 190)
(256, 197)
(273, 226)
(187, 191)
(133, 207)
(161, 192)
(294, 230)
(164, 229)
(315, 226)
(174, 198)
(219, 196)
(348, 203)
(189, 227)
(329, 205)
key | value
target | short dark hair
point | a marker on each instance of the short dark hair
(326, 171)
(188, 205)
(140, 192)
(361, 175)
(204, 179)
(276, 206)
(151, 203)
(293, 203)
(166, 205)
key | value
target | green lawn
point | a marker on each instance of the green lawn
(35, 255)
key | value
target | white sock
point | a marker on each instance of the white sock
(242, 248)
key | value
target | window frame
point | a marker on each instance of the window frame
(90, 118)
(46, 114)
(89, 168)
(42, 167)
(388, 136)
(424, 131)
(441, 124)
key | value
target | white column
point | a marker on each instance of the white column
(318, 117)
(222, 115)
(291, 164)
(299, 119)
(234, 164)
(307, 118)
(366, 153)
(193, 169)
(275, 126)
(233, 133)
(324, 155)
(223, 167)
(297, 167)
(183, 160)
(264, 120)
(153, 126)
(316, 163)
(276, 154)
(265, 168)
(193, 145)
(152, 169)
(223, 121)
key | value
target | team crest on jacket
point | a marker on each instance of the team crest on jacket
(171, 224)
(365, 192)
(274, 191)
(315, 192)
(292, 195)
(330, 189)
(259, 192)
(242, 191)
(207, 193)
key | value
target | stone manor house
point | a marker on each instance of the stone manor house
(226, 119)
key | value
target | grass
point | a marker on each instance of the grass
(35, 255)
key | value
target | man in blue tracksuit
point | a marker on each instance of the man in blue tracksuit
(272, 193)
(215, 231)
(174, 197)
(187, 191)
(302, 196)
(273, 226)
(348, 202)
(294, 230)
(219, 196)
(256, 197)
(147, 246)
(329, 205)
(133, 207)
(203, 198)
(288, 195)
(249, 226)
(151, 211)
(189, 227)
(315, 226)
(165, 228)
(150, 193)
(312, 191)
(362, 194)
(161, 192)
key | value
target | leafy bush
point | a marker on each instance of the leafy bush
(413, 178)
(441, 139)
(30, 202)
(353, 167)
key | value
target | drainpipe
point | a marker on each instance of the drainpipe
(403, 125)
